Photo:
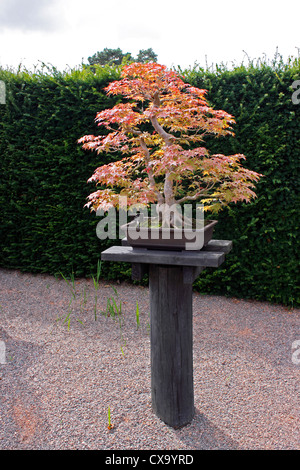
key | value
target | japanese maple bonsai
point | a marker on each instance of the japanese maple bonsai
(159, 132)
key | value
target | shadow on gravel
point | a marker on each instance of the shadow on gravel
(21, 420)
(203, 435)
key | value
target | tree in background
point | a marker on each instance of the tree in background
(109, 56)
(146, 55)
(116, 57)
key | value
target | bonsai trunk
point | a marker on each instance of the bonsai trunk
(168, 213)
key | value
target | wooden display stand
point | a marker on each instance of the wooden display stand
(171, 277)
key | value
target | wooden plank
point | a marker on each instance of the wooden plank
(218, 245)
(175, 258)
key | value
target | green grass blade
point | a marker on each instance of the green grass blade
(137, 315)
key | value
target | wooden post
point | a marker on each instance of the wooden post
(171, 345)
(171, 277)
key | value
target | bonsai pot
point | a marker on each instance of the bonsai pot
(149, 235)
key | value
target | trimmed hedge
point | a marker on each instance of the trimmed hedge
(44, 227)
(264, 262)
(44, 172)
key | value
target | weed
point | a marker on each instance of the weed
(115, 311)
(96, 287)
(110, 425)
(70, 283)
(83, 300)
(113, 305)
(112, 309)
(72, 287)
(227, 380)
(137, 314)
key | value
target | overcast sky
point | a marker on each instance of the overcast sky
(66, 32)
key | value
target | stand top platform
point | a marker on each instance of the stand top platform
(212, 255)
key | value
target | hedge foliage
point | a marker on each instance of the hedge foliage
(43, 187)
(44, 172)
(264, 263)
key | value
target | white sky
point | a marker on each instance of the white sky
(65, 32)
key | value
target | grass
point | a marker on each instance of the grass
(83, 300)
(110, 425)
(71, 284)
(137, 314)
(112, 309)
(113, 304)
(115, 311)
(96, 287)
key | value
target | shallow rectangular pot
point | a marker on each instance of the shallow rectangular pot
(168, 238)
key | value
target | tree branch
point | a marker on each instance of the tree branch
(149, 171)
(203, 192)
(160, 130)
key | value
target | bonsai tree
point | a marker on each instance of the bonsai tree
(158, 131)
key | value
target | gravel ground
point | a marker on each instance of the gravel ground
(58, 378)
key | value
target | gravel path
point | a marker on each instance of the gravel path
(58, 378)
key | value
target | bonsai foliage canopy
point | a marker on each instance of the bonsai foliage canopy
(158, 129)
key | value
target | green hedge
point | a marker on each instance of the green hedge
(44, 172)
(265, 258)
(44, 227)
